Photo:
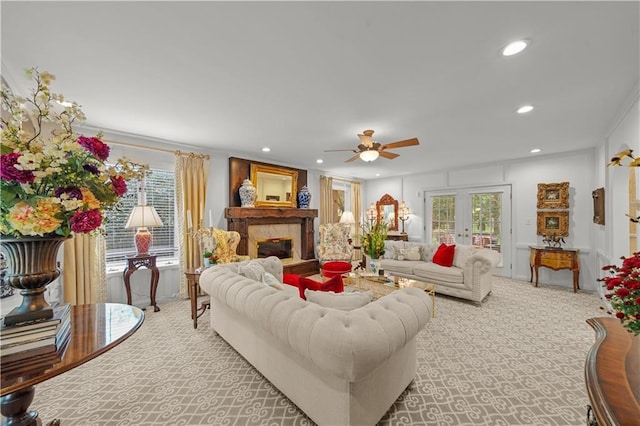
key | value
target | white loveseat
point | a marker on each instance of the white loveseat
(339, 367)
(470, 276)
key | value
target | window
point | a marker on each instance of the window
(160, 190)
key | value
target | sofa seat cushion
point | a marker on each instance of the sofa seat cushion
(444, 274)
(399, 266)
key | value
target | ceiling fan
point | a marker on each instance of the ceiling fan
(369, 150)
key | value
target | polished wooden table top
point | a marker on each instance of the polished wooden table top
(94, 330)
(612, 373)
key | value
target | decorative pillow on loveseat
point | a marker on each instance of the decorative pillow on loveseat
(253, 270)
(341, 301)
(271, 281)
(444, 255)
(334, 284)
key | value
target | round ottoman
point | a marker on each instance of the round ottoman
(331, 269)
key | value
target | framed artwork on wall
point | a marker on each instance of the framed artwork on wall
(553, 222)
(598, 206)
(553, 195)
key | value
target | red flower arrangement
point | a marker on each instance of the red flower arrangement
(58, 183)
(623, 291)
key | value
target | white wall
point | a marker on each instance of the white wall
(523, 176)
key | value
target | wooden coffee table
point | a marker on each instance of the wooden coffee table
(383, 285)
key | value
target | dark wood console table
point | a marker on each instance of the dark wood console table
(94, 330)
(612, 374)
(143, 261)
(556, 259)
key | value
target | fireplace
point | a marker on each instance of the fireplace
(255, 224)
(282, 248)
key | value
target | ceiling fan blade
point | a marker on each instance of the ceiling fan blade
(354, 158)
(401, 144)
(389, 155)
(337, 150)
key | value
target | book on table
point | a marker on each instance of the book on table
(33, 339)
(60, 310)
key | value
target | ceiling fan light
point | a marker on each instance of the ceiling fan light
(369, 155)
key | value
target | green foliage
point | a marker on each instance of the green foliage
(373, 238)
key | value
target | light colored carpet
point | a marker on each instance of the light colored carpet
(517, 360)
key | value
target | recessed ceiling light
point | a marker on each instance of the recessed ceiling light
(515, 47)
(525, 109)
(266, 149)
(319, 161)
(377, 174)
(535, 150)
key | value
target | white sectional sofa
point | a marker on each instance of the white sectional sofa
(470, 276)
(339, 367)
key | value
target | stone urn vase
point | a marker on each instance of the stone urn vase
(31, 266)
(304, 197)
(247, 194)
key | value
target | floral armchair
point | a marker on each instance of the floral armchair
(334, 243)
(221, 243)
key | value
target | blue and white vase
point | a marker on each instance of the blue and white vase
(247, 194)
(304, 197)
(372, 265)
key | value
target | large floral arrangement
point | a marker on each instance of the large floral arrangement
(623, 291)
(53, 181)
(373, 238)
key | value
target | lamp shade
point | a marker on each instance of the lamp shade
(347, 217)
(142, 217)
(369, 155)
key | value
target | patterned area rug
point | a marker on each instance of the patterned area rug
(517, 360)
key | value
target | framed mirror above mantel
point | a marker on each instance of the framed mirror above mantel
(387, 208)
(271, 179)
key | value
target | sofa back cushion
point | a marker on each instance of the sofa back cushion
(444, 255)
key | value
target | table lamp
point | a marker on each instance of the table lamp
(347, 217)
(404, 213)
(143, 217)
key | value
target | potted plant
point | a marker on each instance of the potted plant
(207, 258)
(373, 238)
(623, 291)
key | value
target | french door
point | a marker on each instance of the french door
(473, 216)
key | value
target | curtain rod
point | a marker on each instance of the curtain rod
(342, 180)
(132, 145)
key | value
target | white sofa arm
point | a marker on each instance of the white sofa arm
(483, 261)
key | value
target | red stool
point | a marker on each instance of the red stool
(331, 269)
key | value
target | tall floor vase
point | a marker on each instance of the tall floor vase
(31, 266)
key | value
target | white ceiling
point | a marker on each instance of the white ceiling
(302, 77)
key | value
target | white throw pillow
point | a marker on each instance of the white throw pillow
(341, 301)
(412, 253)
(253, 270)
(271, 281)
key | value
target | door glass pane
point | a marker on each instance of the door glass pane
(443, 222)
(486, 220)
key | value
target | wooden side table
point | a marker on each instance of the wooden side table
(142, 261)
(555, 259)
(193, 277)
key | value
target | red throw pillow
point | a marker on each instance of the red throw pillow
(334, 284)
(291, 279)
(444, 255)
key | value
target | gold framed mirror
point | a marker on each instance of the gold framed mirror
(387, 208)
(275, 186)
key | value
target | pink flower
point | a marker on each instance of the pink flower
(84, 222)
(95, 146)
(10, 173)
(119, 185)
